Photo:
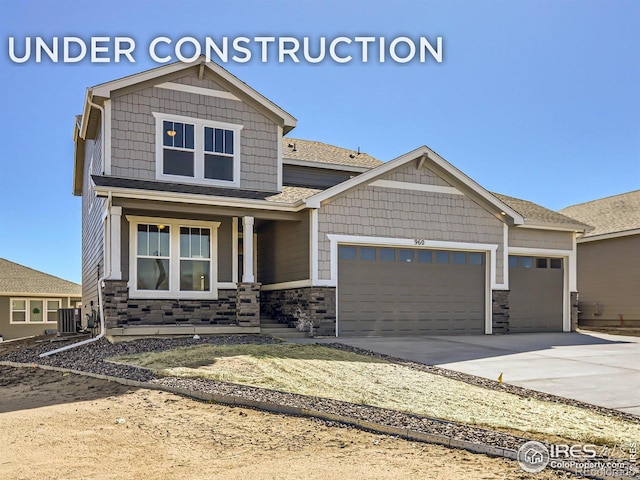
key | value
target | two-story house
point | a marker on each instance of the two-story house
(198, 212)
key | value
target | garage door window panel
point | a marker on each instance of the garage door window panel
(387, 255)
(442, 258)
(368, 254)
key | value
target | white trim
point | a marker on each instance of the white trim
(115, 254)
(234, 250)
(505, 260)
(27, 311)
(325, 165)
(106, 161)
(174, 258)
(247, 250)
(198, 150)
(570, 275)
(227, 286)
(488, 249)
(198, 199)
(560, 228)
(408, 242)
(607, 236)
(313, 245)
(286, 285)
(421, 187)
(106, 244)
(209, 92)
(279, 172)
(318, 199)
(105, 89)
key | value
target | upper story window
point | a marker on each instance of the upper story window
(197, 151)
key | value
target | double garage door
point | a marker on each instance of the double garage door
(404, 291)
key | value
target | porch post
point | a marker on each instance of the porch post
(114, 242)
(247, 250)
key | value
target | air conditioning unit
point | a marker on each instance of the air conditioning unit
(68, 320)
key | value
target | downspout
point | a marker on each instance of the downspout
(104, 276)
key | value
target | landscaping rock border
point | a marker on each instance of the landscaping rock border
(90, 360)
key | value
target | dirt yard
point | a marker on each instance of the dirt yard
(61, 426)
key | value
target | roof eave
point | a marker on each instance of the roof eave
(196, 198)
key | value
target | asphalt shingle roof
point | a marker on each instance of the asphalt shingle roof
(538, 215)
(16, 278)
(619, 213)
(313, 151)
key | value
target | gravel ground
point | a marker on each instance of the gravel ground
(91, 357)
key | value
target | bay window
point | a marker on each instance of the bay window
(172, 258)
(197, 151)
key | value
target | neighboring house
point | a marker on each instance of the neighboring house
(198, 214)
(609, 260)
(29, 300)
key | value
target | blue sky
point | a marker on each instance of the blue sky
(534, 99)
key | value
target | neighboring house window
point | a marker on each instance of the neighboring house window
(197, 151)
(173, 258)
(34, 310)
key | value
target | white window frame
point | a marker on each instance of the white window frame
(198, 158)
(28, 300)
(174, 259)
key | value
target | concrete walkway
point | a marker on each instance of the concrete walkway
(596, 368)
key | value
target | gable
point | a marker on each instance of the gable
(422, 170)
(201, 90)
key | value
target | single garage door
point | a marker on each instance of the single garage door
(403, 291)
(535, 301)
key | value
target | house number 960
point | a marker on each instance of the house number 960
(419, 241)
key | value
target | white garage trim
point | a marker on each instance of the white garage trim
(570, 275)
(488, 249)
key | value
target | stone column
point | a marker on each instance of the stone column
(500, 311)
(574, 311)
(115, 298)
(248, 304)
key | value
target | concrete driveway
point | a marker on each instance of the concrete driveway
(596, 368)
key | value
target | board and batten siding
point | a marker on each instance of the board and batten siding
(549, 239)
(225, 253)
(609, 274)
(407, 214)
(133, 128)
(283, 250)
(92, 225)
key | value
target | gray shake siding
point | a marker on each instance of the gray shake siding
(92, 225)
(410, 174)
(133, 128)
(609, 275)
(283, 250)
(530, 238)
(225, 257)
(385, 212)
